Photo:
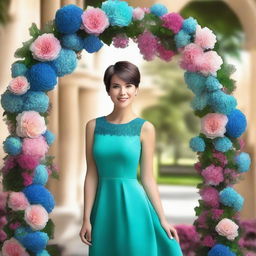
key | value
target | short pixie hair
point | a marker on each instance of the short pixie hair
(125, 70)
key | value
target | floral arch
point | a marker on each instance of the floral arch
(53, 52)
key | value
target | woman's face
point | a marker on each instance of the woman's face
(121, 94)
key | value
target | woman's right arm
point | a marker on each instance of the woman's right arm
(91, 178)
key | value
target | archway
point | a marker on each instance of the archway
(157, 33)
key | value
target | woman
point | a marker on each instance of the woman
(121, 216)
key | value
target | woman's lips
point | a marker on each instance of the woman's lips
(122, 100)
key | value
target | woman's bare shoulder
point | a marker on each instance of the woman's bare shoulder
(148, 129)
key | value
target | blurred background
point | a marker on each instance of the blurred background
(163, 99)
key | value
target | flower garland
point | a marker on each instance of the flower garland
(53, 52)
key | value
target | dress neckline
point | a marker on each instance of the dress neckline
(104, 117)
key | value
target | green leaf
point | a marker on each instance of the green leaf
(34, 31)
(23, 51)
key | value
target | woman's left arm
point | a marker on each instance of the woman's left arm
(148, 135)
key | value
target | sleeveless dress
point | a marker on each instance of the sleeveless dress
(124, 222)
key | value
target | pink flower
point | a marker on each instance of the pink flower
(19, 85)
(146, 9)
(163, 53)
(214, 125)
(35, 147)
(14, 225)
(46, 47)
(27, 162)
(202, 219)
(204, 37)
(138, 13)
(3, 199)
(211, 196)
(216, 213)
(241, 143)
(12, 247)
(172, 21)
(147, 44)
(121, 41)
(27, 178)
(17, 201)
(220, 157)
(36, 216)
(227, 228)
(94, 21)
(213, 175)
(189, 56)
(230, 176)
(208, 241)
(9, 163)
(3, 235)
(3, 221)
(30, 124)
(198, 167)
(208, 63)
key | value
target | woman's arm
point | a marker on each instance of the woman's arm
(91, 178)
(147, 177)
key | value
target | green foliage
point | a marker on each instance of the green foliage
(13, 180)
(49, 229)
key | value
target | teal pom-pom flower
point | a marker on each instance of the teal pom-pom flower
(11, 102)
(212, 84)
(119, 12)
(189, 25)
(38, 194)
(68, 19)
(65, 63)
(236, 123)
(43, 253)
(222, 102)
(230, 197)
(182, 39)
(243, 161)
(92, 43)
(72, 42)
(49, 137)
(199, 102)
(195, 82)
(18, 69)
(12, 145)
(41, 77)
(158, 9)
(197, 144)
(35, 100)
(222, 144)
(40, 175)
(220, 250)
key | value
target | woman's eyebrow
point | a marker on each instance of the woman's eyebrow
(119, 84)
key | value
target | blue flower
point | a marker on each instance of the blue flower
(65, 63)
(37, 101)
(222, 102)
(41, 77)
(38, 194)
(68, 19)
(197, 144)
(199, 102)
(230, 197)
(72, 41)
(212, 84)
(220, 250)
(222, 144)
(243, 161)
(18, 69)
(49, 136)
(236, 123)
(11, 102)
(182, 39)
(195, 82)
(40, 175)
(119, 12)
(12, 145)
(158, 9)
(43, 253)
(92, 43)
(189, 25)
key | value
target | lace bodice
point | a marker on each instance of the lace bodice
(132, 128)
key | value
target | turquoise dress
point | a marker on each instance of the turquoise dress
(124, 222)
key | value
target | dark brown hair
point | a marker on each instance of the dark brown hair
(125, 70)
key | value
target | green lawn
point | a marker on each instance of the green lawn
(179, 180)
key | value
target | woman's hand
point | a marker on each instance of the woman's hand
(169, 228)
(85, 233)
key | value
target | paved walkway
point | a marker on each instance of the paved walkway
(178, 203)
